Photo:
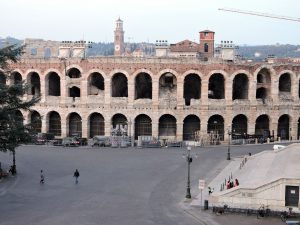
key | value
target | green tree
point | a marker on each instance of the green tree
(13, 131)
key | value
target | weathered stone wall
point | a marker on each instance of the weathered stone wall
(203, 108)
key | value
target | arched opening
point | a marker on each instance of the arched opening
(143, 86)
(206, 47)
(75, 125)
(35, 84)
(54, 123)
(262, 126)
(74, 92)
(19, 119)
(96, 84)
(2, 78)
(16, 78)
(283, 130)
(215, 128)
(143, 126)
(191, 124)
(36, 122)
(216, 88)
(263, 88)
(285, 83)
(96, 125)
(167, 126)
(192, 88)
(168, 88)
(74, 73)
(240, 87)
(54, 84)
(119, 119)
(239, 125)
(119, 85)
(261, 93)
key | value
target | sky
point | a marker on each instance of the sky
(150, 20)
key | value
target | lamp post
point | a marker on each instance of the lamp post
(189, 160)
(228, 148)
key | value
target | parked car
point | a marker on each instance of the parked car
(101, 141)
(82, 141)
(70, 141)
(43, 138)
(57, 142)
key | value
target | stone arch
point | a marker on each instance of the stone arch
(239, 125)
(216, 86)
(96, 124)
(119, 85)
(19, 118)
(143, 86)
(215, 127)
(167, 126)
(142, 126)
(285, 83)
(96, 84)
(36, 122)
(283, 129)
(52, 84)
(168, 86)
(263, 83)
(73, 72)
(74, 92)
(192, 88)
(33, 79)
(54, 123)
(240, 86)
(16, 77)
(191, 124)
(74, 123)
(262, 125)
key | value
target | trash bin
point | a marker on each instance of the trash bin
(205, 204)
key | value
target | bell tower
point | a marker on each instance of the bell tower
(119, 38)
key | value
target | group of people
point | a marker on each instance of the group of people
(231, 183)
(76, 175)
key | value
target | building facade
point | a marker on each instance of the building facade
(172, 98)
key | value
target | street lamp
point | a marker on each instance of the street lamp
(228, 152)
(189, 160)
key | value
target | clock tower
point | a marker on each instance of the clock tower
(119, 38)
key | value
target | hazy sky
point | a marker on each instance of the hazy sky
(149, 20)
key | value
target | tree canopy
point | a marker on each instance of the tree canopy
(13, 131)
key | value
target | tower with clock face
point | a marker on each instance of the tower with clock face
(119, 38)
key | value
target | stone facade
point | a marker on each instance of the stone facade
(163, 97)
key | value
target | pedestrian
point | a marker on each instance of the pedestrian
(209, 190)
(42, 177)
(236, 183)
(76, 175)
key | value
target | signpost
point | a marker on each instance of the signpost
(201, 187)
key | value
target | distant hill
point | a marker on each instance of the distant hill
(263, 51)
(249, 52)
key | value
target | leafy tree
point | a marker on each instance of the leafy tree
(13, 131)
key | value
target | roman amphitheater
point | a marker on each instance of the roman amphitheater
(183, 93)
(173, 98)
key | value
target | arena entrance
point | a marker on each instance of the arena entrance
(283, 127)
(262, 126)
(75, 125)
(191, 124)
(215, 129)
(96, 125)
(36, 122)
(54, 123)
(143, 126)
(167, 126)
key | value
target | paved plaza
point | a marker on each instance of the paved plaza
(116, 186)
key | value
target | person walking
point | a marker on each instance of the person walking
(76, 175)
(42, 177)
